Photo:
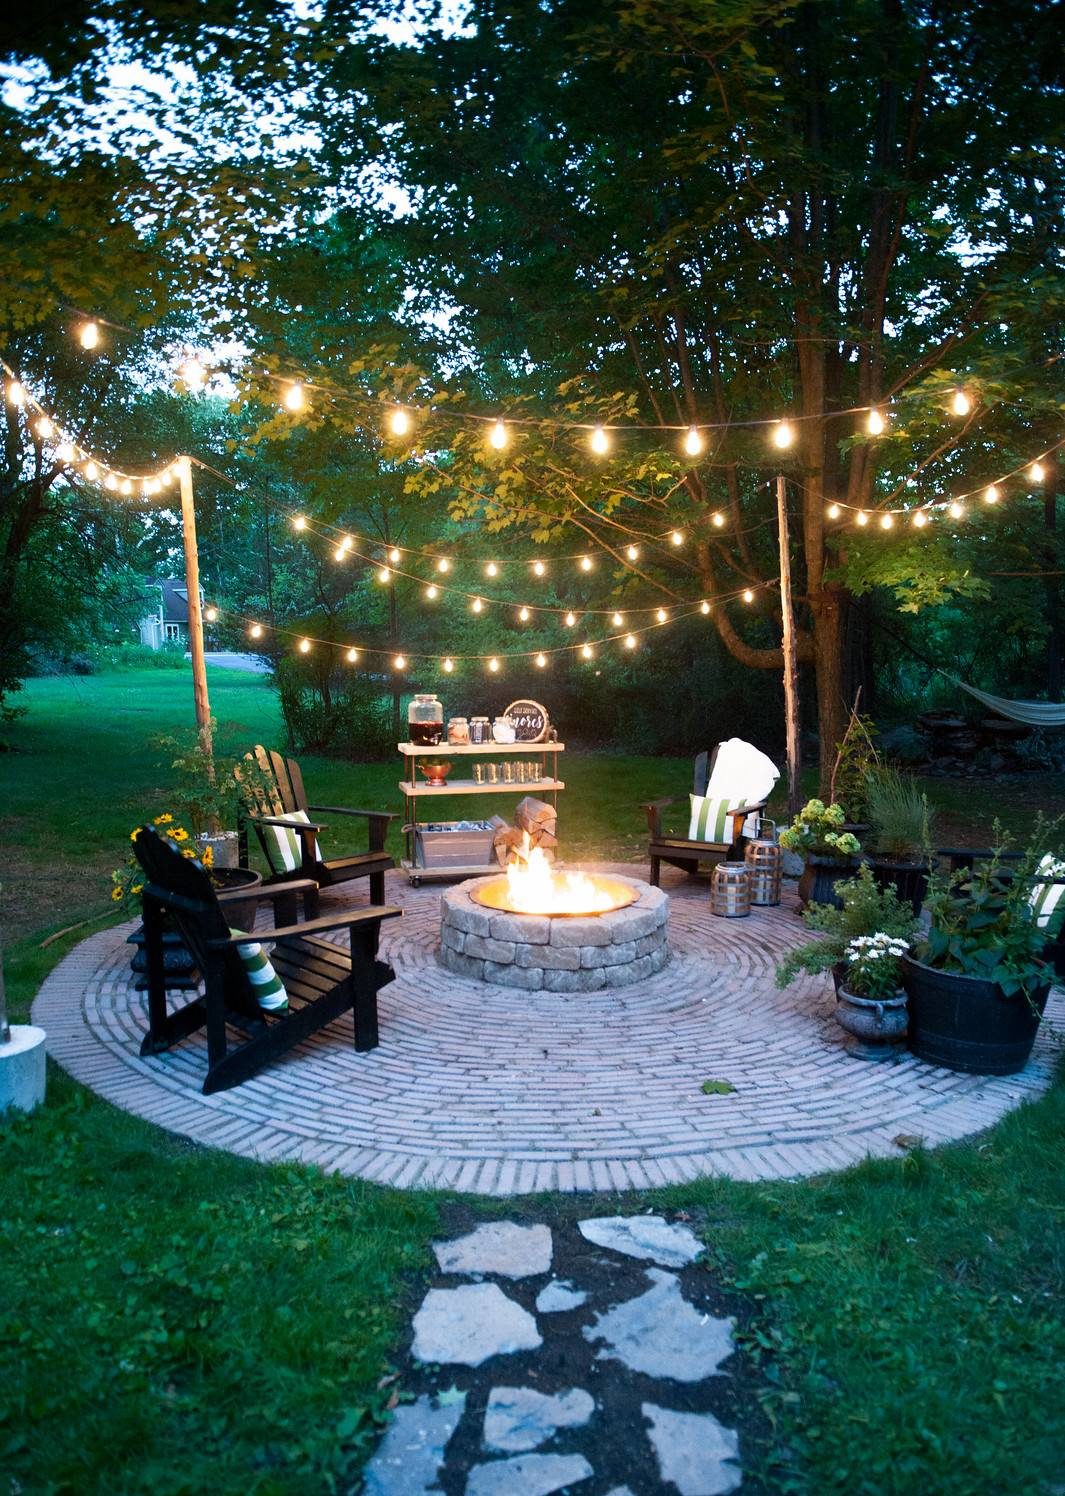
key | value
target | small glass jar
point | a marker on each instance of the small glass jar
(425, 720)
(458, 731)
(493, 771)
(503, 731)
(479, 730)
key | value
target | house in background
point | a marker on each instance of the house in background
(168, 624)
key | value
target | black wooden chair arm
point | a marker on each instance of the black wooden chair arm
(344, 810)
(311, 926)
(302, 828)
(266, 891)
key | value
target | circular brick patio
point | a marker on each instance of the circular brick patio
(492, 1089)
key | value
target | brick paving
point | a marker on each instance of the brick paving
(498, 1091)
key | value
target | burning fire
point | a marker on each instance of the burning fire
(533, 888)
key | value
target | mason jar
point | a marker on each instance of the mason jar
(425, 720)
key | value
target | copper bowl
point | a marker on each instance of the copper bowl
(435, 773)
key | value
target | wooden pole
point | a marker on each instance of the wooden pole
(192, 585)
(791, 670)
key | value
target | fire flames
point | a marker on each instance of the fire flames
(533, 887)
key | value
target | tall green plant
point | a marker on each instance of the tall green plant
(899, 814)
(867, 909)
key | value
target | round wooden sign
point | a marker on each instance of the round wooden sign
(529, 720)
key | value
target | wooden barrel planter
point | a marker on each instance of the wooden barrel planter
(908, 879)
(820, 875)
(967, 1023)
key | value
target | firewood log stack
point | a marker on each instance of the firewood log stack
(535, 817)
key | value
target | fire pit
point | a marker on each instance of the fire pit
(557, 932)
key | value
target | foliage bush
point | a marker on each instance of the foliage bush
(326, 711)
(867, 910)
(131, 656)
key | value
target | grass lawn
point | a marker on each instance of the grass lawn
(177, 1321)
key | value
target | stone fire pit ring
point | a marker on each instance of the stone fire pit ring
(554, 953)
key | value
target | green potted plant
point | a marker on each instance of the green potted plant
(900, 834)
(864, 909)
(828, 850)
(206, 793)
(856, 759)
(978, 984)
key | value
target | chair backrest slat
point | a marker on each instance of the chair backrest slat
(299, 794)
(280, 769)
(704, 767)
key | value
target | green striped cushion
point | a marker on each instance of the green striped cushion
(710, 820)
(268, 987)
(289, 843)
(1045, 898)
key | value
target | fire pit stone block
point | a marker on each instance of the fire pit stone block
(557, 954)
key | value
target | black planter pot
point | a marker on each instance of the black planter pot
(908, 879)
(817, 885)
(180, 970)
(966, 1023)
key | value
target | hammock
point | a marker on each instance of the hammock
(1034, 713)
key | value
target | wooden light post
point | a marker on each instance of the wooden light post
(791, 669)
(192, 585)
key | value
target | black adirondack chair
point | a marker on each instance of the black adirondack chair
(273, 789)
(322, 981)
(676, 848)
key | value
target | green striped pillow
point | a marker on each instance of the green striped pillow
(267, 986)
(710, 820)
(1045, 898)
(290, 843)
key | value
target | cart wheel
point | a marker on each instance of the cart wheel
(415, 883)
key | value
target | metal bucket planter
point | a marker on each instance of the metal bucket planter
(967, 1023)
(819, 878)
(877, 1027)
(908, 879)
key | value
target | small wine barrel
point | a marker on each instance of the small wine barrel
(730, 890)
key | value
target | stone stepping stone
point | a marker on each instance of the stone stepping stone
(528, 1475)
(559, 1295)
(661, 1335)
(699, 1455)
(649, 1237)
(518, 1418)
(500, 1247)
(466, 1325)
(408, 1458)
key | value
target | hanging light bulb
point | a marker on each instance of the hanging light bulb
(111, 483)
(718, 519)
(586, 563)
(538, 568)
(618, 621)
(920, 519)
(960, 403)
(693, 442)
(1037, 472)
(352, 656)
(65, 451)
(541, 661)
(874, 423)
(491, 570)
(305, 646)
(88, 335)
(193, 374)
(432, 593)
(338, 554)
(299, 523)
(587, 653)
(498, 436)
(783, 435)
(571, 619)
(861, 518)
(886, 521)
(493, 664)
(661, 615)
(676, 538)
(211, 614)
(477, 606)
(748, 595)
(833, 511)
(16, 393)
(991, 494)
(632, 552)
(127, 487)
(256, 631)
(92, 472)
(383, 574)
(523, 615)
(443, 566)
(399, 421)
(400, 662)
(704, 607)
(956, 510)
(394, 555)
(44, 429)
(599, 441)
(293, 397)
(630, 641)
(448, 666)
